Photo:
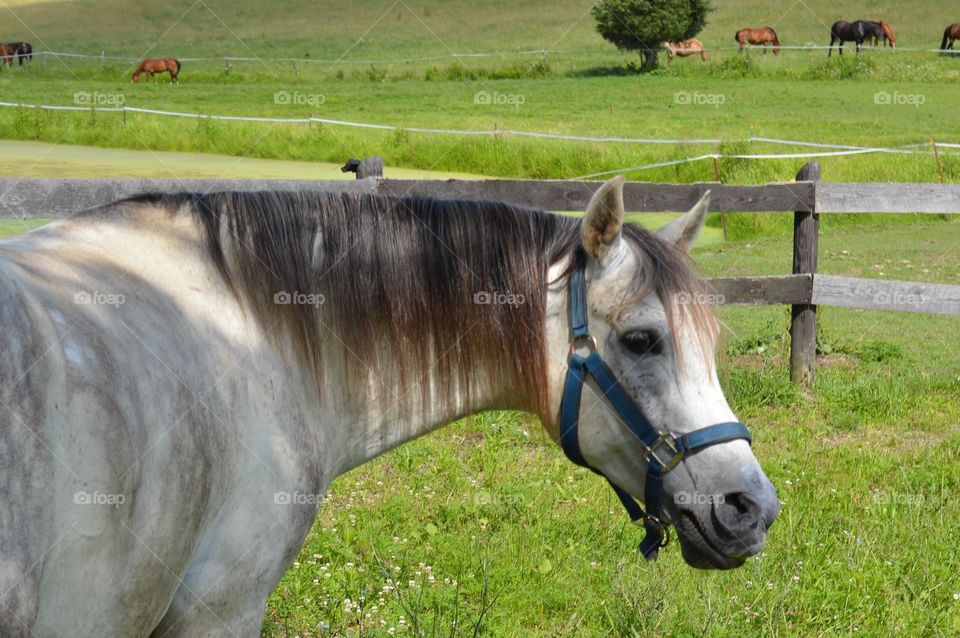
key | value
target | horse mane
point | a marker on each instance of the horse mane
(402, 279)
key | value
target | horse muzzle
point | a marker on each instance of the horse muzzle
(722, 531)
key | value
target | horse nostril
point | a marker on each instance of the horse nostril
(738, 501)
(739, 511)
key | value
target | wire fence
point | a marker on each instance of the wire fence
(540, 53)
(825, 149)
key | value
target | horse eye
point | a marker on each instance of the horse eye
(641, 342)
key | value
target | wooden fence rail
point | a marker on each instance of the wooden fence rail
(807, 198)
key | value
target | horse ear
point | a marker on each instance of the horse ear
(603, 221)
(683, 230)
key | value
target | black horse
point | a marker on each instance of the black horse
(853, 31)
(22, 50)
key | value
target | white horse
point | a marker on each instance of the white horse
(183, 376)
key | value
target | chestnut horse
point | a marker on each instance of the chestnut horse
(685, 48)
(951, 35)
(858, 32)
(763, 35)
(6, 55)
(887, 34)
(22, 50)
(159, 65)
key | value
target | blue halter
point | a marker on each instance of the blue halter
(662, 450)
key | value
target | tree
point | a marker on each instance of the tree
(642, 25)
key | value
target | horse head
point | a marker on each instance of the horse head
(652, 326)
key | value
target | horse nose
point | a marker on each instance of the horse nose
(746, 515)
(739, 512)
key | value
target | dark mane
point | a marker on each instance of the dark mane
(402, 276)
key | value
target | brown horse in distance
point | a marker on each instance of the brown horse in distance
(159, 65)
(22, 50)
(685, 48)
(763, 35)
(6, 56)
(951, 35)
(887, 34)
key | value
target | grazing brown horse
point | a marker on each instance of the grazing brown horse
(888, 38)
(6, 56)
(685, 48)
(951, 35)
(22, 51)
(159, 65)
(763, 35)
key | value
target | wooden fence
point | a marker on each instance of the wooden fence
(807, 198)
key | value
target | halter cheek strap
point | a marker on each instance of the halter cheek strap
(663, 451)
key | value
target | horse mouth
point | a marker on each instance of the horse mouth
(702, 549)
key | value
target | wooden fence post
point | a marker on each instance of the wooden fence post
(803, 325)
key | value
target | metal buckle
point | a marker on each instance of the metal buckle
(587, 337)
(664, 438)
(663, 529)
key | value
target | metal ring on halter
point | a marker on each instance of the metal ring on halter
(663, 529)
(665, 532)
(590, 338)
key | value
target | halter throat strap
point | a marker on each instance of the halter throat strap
(662, 451)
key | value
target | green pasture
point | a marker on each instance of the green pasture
(387, 30)
(586, 88)
(829, 111)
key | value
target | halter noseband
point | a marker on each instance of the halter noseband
(663, 451)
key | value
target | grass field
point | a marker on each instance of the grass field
(486, 523)
(385, 30)
(590, 90)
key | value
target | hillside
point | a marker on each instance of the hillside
(389, 29)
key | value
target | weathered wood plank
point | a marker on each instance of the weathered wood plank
(876, 294)
(760, 291)
(888, 197)
(638, 197)
(35, 197)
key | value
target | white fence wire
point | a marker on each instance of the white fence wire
(542, 53)
(827, 150)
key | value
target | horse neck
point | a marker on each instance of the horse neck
(368, 427)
